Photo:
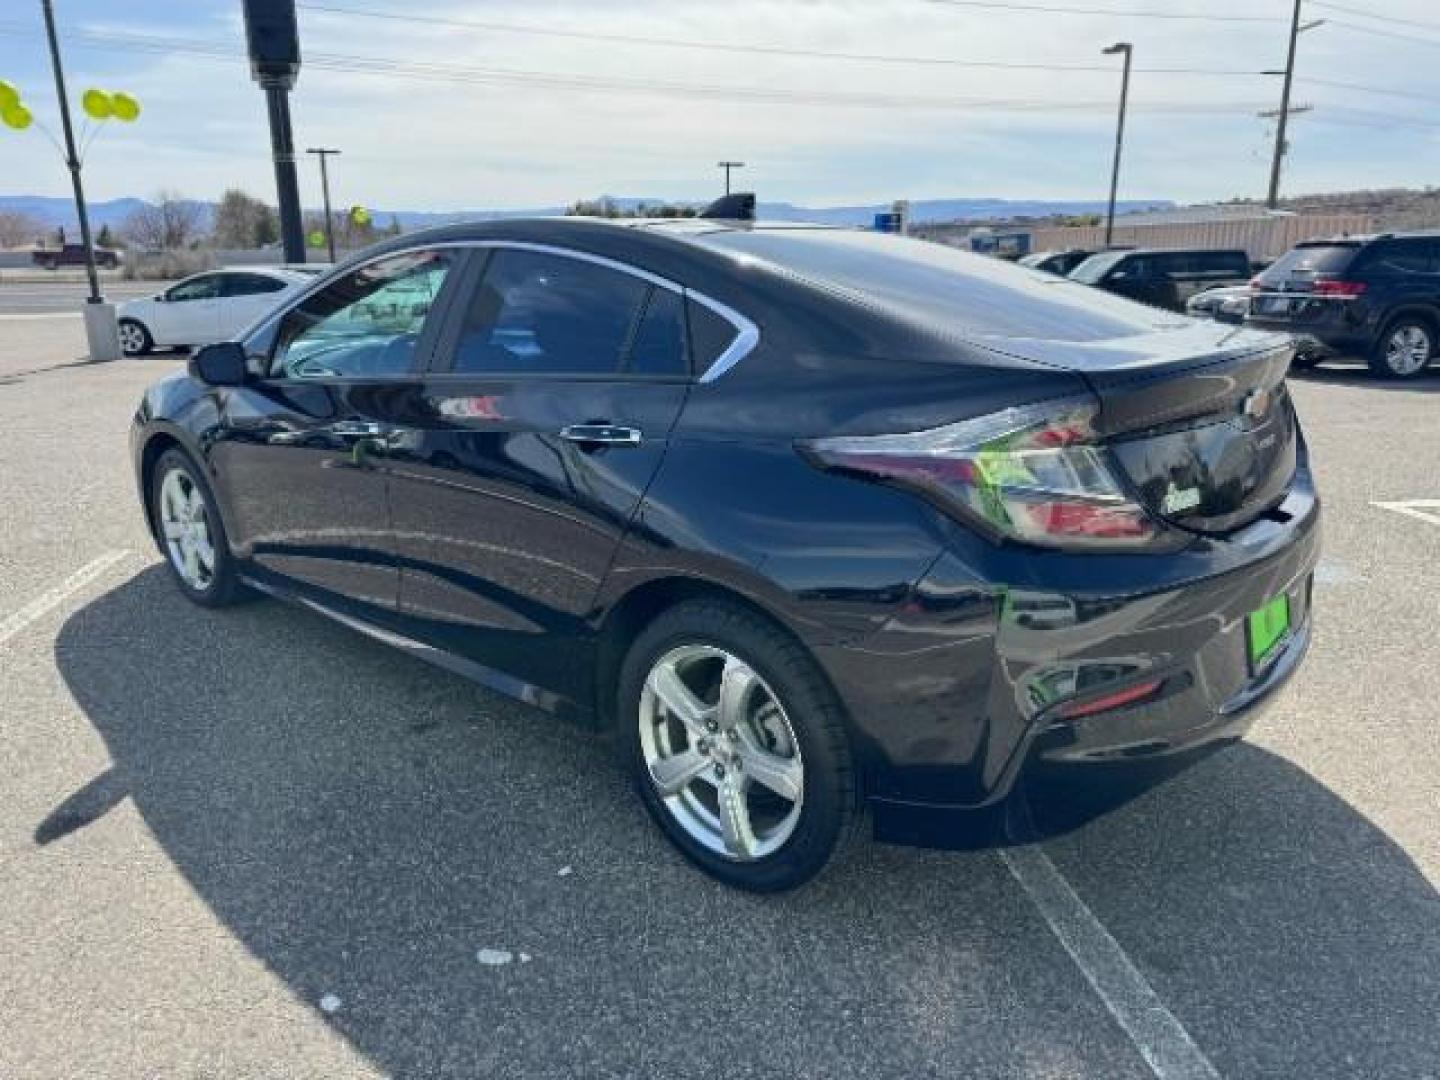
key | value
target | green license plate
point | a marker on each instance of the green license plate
(1268, 629)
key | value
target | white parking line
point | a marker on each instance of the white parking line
(57, 594)
(32, 316)
(1161, 1039)
(1427, 510)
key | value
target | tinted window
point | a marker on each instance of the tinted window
(205, 287)
(659, 347)
(1096, 267)
(249, 284)
(710, 335)
(365, 323)
(1402, 257)
(1310, 260)
(539, 313)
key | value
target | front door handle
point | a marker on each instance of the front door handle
(601, 434)
(358, 429)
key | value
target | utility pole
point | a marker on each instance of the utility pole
(323, 154)
(727, 166)
(1283, 116)
(1125, 48)
(102, 333)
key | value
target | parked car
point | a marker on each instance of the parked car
(804, 517)
(1227, 304)
(1164, 278)
(74, 255)
(1377, 297)
(1056, 262)
(212, 306)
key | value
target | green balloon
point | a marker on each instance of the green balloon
(17, 116)
(125, 106)
(360, 216)
(98, 105)
(317, 239)
(9, 95)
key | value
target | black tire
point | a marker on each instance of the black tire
(1306, 361)
(829, 810)
(1384, 358)
(223, 587)
(135, 339)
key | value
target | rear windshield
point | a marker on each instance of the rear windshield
(1096, 267)
(1310, 260)
(943, 286)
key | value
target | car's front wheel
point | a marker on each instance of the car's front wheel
(135, 340)
(737, 745)
(1404, 349)
(191, 534)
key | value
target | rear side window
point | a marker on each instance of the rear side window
(710, 335)
(535, 313)
(1230, 263)
(250, 285)
(1403, 257)
(659, 347)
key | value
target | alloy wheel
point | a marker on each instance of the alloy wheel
(1408, 350)
(132, 338)
(720, 752)
(186, 529)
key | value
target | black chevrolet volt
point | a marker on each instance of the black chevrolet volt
(808, 520)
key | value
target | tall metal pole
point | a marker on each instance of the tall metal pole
(1283, 122)
(1128, 50)
(72, 159)
(727, 166)
(325, 188)
(287, 185)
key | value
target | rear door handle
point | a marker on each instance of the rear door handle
(358, 429)
(601, 434)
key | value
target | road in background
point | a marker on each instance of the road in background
(254, 843)
(28, 296)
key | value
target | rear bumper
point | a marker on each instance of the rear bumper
(963, 689)
(1339, 328)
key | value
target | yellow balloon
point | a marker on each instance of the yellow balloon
(359, 215)
(9, 94)
(17, 116)
(98, 105)
(125, 106)
(317, 239)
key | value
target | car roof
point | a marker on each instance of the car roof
(1175, 251)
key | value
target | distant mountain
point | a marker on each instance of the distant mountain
(52, 211)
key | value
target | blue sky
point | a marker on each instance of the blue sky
(543, 118)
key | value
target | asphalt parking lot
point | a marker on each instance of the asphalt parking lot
(252, 843)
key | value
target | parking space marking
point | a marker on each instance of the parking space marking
(1161, 1039)
(54, 596)
(1426, 510)
(30, 316)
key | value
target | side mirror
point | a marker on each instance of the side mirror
(220, 364)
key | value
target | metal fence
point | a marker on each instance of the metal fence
(1262, 238)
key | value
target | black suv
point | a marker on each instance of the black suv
(1371, 296)
(1166, 278)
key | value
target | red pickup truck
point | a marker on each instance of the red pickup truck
(73, 255)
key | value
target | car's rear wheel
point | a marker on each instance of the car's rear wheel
(135, 340)
(737, 746)
(1404, 350)
(191, 534)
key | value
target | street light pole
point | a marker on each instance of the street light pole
(1128, 50)
(323, 154)
(72, 159)
(727, 166)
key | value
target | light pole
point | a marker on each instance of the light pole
(72, 158)
(1125, 48)
(727, 166)
(1285, 110)
(323, 154)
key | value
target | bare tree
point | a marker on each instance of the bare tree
(169, 223)
(243, 221)
(18, 228)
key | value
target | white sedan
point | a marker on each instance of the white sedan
(213, 306)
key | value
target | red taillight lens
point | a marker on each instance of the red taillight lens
(1128, 696)
(1341, 289)
(1031, 474)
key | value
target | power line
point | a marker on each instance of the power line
(744, 48)
(353, 64)
(1375, 31)
(1419, 24)
(1123, 13)
(1361, 88)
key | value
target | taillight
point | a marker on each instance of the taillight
(1340, 289)
(1033, 474)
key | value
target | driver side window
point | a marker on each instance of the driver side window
(365, 323)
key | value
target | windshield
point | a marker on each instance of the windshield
(1310, 260)
(1095, 267)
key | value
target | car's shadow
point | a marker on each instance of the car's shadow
(364, 824)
